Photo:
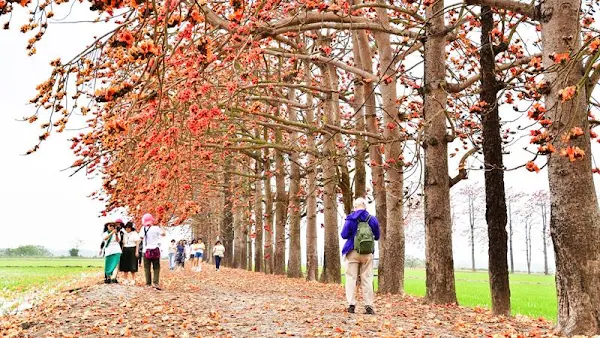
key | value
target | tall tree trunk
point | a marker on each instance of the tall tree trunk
(294, 268)
(249, 256)
(438, 227)
(238, 223)
(331, 261)
(510, 239)
(472, 226)
(244, 228)
(258, 217)
(360, 173)
(342, 171)
(281, 205)
(574, 219)
(227, 227)
(246, 252)
(375, 157)
(545, 238)
(312, 262)
(495, 200)
(528, 245)
(269, 219)
(393, 281)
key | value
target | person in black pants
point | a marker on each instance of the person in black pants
(151, 234)
(219, 253)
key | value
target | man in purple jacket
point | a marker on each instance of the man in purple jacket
(356, 262)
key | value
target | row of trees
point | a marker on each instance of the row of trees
(26, 251)
(246, 117)
(526, 212)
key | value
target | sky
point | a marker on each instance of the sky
(40, 204)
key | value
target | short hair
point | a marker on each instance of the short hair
(360, 202)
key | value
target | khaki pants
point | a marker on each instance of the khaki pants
(364, 264)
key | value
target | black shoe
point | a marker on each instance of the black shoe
(114, 281)
(369, 310)
(351, 309)
(107, 280)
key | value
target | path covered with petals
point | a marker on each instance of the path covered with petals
(236, 303)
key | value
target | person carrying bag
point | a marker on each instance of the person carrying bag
(151, 235)
(112, 252)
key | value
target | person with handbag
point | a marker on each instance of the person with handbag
(151, 234)
(131, 242)
(112, 253)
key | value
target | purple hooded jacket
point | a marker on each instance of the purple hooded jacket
(351, 226)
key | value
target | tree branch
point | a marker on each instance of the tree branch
(529, 10)
(462, 168)
(323, 59)
(316, 20)
(458, 87)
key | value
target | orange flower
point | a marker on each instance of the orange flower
(560, 57)
(573, 153)
(126, 38)
(536, 62)
(594, 45)
(547, 149)
(195, 17)
(566, 94)
(576, 132)
(531, 166)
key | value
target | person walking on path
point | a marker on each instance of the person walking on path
(172, 254)
(200, 253)
(360, 231)
(151, 235)
(188, 249)
(180, 257)
(193, 249)
(129, 258)
(219, 253)
(112, 252)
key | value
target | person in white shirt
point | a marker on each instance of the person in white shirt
(131, 242)
(188, 249)
(219, 253)
(200, 253)
(112, 252)
(193, 253)
(151, 234)
(172, 254)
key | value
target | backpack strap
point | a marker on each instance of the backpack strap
(145, 236)
(108, 240)
(359, 221)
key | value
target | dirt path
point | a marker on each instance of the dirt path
(237, 303)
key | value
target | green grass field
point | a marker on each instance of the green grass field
(27, 274)
(531, 295)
